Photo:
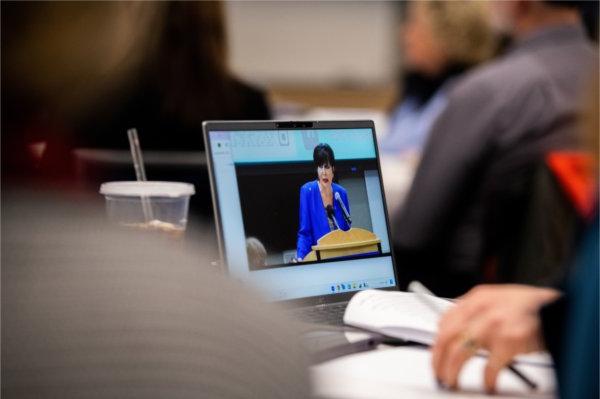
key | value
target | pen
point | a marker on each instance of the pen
(426, 296)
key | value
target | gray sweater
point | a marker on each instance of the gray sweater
(90, 312)
(500, 117)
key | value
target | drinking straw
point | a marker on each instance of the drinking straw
(140, 171)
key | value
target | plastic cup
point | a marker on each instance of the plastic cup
(148, 205)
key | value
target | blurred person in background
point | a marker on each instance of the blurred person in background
(440, 41)
(469, 193)
(184, 80)
(508, 320)
(80, 74)
(57, 60)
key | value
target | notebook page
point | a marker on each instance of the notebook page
(387, 312)
(403, 315)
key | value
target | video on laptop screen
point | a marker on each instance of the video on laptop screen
(302, 211)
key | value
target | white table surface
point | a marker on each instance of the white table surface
(405, 372)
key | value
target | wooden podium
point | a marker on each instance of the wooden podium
(340, 243)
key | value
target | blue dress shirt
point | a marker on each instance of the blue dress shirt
(313, 218)
(410, 123)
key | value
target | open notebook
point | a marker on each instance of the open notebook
(403, 315)
(395, 314)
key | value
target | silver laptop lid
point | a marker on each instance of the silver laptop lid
(299, 230)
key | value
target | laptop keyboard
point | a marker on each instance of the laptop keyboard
(331, 314)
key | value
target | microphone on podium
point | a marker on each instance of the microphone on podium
(330, 215)
(338, 198)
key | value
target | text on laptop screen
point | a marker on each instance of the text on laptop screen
(302, 211)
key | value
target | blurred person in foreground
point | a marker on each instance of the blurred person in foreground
(79, 74)
(92, 311)
(500, 122)
(508, 320)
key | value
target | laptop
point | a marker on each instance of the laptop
(265, 185)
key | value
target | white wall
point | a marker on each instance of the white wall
(313, 43)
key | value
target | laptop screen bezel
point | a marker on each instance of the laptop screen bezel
(241, 126)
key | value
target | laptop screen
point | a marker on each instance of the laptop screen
(301, 213)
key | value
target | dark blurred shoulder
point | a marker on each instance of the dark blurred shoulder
(253, 101)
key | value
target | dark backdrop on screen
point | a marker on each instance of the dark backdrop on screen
(270, 197)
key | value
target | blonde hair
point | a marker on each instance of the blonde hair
(257, 253)
(463, 29)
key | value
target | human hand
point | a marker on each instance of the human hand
(502, 319)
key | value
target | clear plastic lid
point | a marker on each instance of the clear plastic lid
(147, 189)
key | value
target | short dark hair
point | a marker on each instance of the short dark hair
(323, 154)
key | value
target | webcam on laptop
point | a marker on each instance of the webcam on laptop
(294, 125)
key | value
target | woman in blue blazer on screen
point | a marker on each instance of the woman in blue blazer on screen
(321, 202)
